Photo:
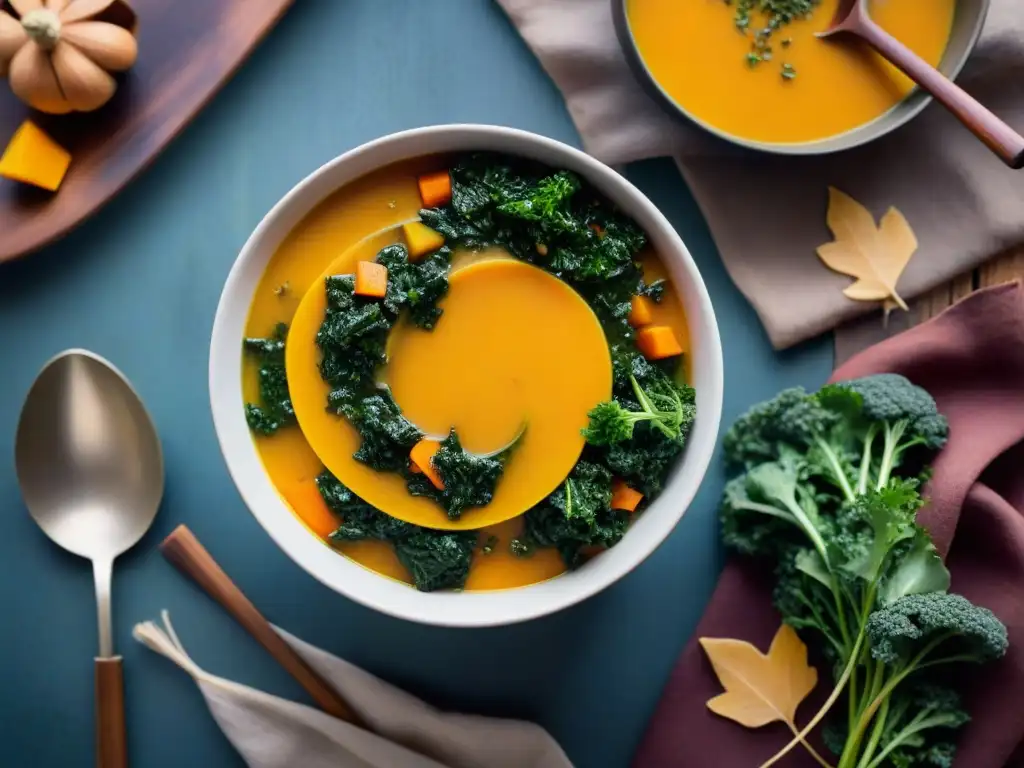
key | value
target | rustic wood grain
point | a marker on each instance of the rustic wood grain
(859, 334)
(111, 746)
(187, 51)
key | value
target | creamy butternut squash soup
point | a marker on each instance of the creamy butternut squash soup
(785, 86)
(515, 359)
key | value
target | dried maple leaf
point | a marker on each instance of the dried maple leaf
(762, 688)
(875, 255)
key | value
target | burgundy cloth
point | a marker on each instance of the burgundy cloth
(971, 358)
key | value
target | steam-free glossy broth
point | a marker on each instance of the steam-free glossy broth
(694, 51)
(375, 203)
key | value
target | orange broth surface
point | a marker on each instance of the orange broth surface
(371, 204)
(695, 53)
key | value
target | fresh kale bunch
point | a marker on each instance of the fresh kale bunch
(275, 409)
(469, 479)
(827, 490)
(436, 559)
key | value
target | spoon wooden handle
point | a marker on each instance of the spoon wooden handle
(111, 749)
(991, 129)
(185, 552)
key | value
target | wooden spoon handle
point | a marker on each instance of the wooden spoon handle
(185, 552)
(991, 129)
(111, 748)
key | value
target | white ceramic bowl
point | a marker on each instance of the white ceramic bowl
(461, 609)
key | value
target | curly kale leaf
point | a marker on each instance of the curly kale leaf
(640, 434)
(435, 559)
(940, 624)
(275, 408)
(416, 286)
(387, 436)
(577, 515)
(665, 405)
(352, 341)
(552, 219)
(469, 480)
(586, 492)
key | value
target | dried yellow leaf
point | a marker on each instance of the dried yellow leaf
(762, 688)
(875, 255)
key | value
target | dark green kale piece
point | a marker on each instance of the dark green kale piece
(274, 410)
(435, 559)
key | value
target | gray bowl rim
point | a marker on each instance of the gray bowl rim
(889, 121)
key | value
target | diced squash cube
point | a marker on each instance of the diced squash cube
(658, 342)
(641, 311)
(34, 158)
(435, 188)
(306, 501)
(371, 279)
(624, 497)
(421, 455)
(421, 239)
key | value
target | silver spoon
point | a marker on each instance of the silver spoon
(92, 474)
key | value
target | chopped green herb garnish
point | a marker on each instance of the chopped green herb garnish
(489, 545)
(776, 14)
(788, 72)
(521, 547)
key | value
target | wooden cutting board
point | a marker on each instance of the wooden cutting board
(187, 50)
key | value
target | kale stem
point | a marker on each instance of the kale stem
(811, 750)
(880, 696)
(851, 718)
(893, 433)
(836, 692)
(920, 723)
(865, 461)
(876, 735)
(837, 469)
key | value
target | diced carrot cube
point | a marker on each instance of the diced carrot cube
(306, 501)
(641, 311)
(371, 279)
(421, 455)
(435, 188)
(421, 239)
(624, 497)
(658, 342)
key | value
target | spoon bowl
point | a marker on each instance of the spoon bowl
(91, 472)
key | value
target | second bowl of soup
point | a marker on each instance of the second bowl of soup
(756, 74)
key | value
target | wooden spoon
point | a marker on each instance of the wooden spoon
(852, 17)
(185, 552)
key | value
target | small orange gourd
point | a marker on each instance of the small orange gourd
(58, 54)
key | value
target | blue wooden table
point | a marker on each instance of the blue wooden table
(139, 284)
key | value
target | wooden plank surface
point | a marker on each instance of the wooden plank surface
(862, 333)
(187, 50)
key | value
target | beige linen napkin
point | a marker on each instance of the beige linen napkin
(767, 213)
(270, 732)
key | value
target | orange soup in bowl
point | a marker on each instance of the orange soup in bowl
(467, 373)
(741, 72)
